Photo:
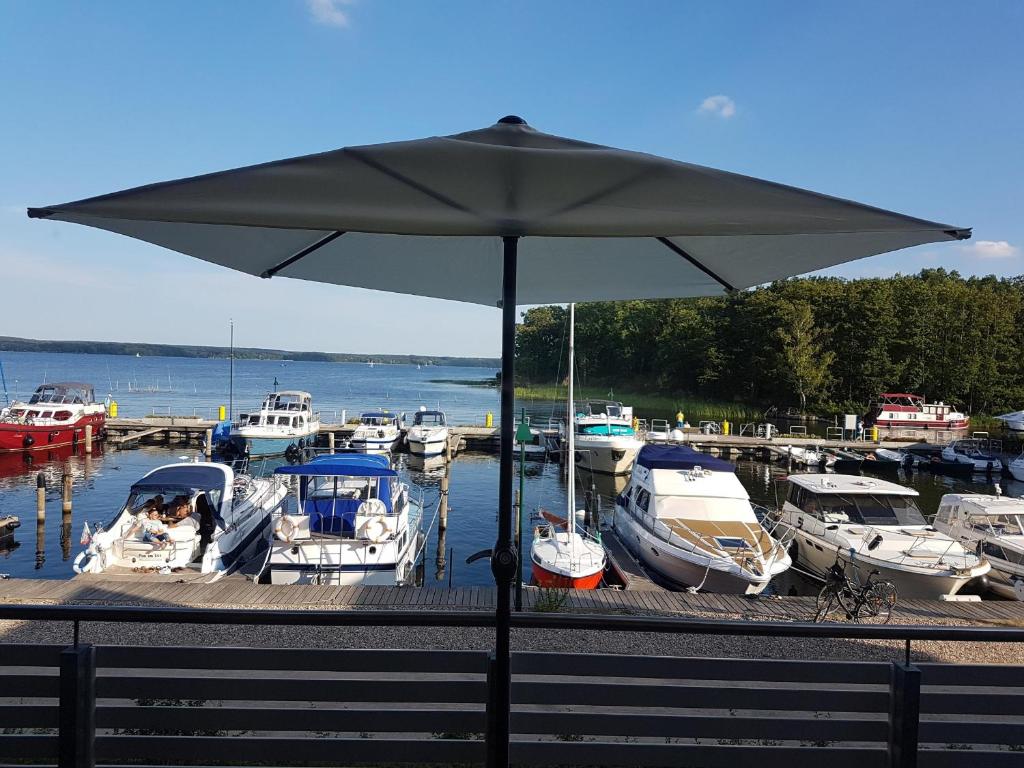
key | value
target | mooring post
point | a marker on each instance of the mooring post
(442, 519)
(209, 444)
(40, 499)
(330, 443)
(77, 720)
(65, 506)
(904, 714)
(88, 438)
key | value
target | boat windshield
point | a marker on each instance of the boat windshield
(164, 499)
(871, 509)
(429, 419)
(1001, 525)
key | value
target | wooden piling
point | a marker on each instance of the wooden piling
(330, 442)
(209, 443)
(442, 519)
(88, 439)
(40, 499)
(65, 506)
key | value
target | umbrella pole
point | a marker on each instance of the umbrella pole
(505, 560)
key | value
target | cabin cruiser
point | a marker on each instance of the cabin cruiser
(378, 431)
(224, 522)
(605, 439)
(972, 452)
(55, 415)
(561, 555)
(349, 521)
(285, 423)
(687, 517)
(1014, 422)
(994, 526)
(428, 434)
(902, 410)
(872, 525)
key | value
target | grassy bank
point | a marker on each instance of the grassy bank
(649, 405)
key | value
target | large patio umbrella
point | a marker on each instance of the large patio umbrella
(501, 215)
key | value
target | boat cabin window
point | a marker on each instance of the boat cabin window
(869, 509)
(62, 415)
(643, 499)
(1001, 525)
(731, 542)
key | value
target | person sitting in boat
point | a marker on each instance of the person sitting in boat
(153, 529)
(178, 510)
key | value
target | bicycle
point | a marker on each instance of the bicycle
(872, 599)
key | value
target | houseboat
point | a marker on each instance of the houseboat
(285, 422)
(350, 521)
(55, 415)
(895, 409)
(209, 521)
(686, 516)
(872, 524)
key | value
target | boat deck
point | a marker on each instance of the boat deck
(157, 590)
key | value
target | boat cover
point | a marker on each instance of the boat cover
(345, 464)
(200, 477)
(680, 457)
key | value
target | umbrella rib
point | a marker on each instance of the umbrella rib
(402, 178)
(301, 254)
(676, 249)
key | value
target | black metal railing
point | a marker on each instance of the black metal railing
(77, 697)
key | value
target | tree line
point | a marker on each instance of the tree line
(814, 343)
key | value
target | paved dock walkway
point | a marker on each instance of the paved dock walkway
(239, 592)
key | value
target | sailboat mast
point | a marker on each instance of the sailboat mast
(570, 520)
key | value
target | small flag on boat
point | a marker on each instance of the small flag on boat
(86, 536)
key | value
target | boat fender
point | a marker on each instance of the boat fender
(284, 529)
(293, 454)
(29, 441)
(376, 530)
(380, 433)
(875, 542)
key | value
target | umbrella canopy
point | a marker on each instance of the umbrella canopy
(496, 216)
(597, 223)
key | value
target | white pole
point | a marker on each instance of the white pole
(570, 523)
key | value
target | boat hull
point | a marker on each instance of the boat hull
(16, 438)
(270, 446)
(673, 566)
(607, 456)
(549, 580)
(817, 557)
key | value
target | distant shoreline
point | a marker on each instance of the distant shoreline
(131, 349)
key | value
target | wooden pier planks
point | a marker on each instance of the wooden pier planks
(95, 590)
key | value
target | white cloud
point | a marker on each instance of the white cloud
(991, 249)
(721, 106)
(329, 12)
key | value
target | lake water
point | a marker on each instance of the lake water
(101, 482)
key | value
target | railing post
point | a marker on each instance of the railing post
(492, 736)
(904, 714)
(77, 734)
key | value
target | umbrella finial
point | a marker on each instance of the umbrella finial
(512, 120)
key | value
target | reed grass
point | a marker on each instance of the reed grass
(650, 405)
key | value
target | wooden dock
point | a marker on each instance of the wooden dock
(238, 592)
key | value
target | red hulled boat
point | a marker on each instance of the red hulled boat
(56, 415)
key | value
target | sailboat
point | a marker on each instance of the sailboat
(560, 555)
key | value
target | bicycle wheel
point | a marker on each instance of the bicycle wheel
(847, 598)
(880, 600)
(826, 603)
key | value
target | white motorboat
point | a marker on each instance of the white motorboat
(809, 457)
(1016, 468)
(1014, 422)
(972, 451)
(993, 525)
(227, 525)
(605, 439)
(658, 432)
(285, 422)
(428, 434)
(378, 431)
(872, 524)
(686, 516)
(536, 447)
(887, 455)
(350, 521)
(560, 555)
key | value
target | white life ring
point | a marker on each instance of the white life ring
(376, 530)
(285, 529)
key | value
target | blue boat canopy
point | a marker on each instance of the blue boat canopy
(345, 464)
(680, 457)
(200, 477)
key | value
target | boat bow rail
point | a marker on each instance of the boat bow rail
(230, 706)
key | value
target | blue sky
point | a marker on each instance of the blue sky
(913, 106)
